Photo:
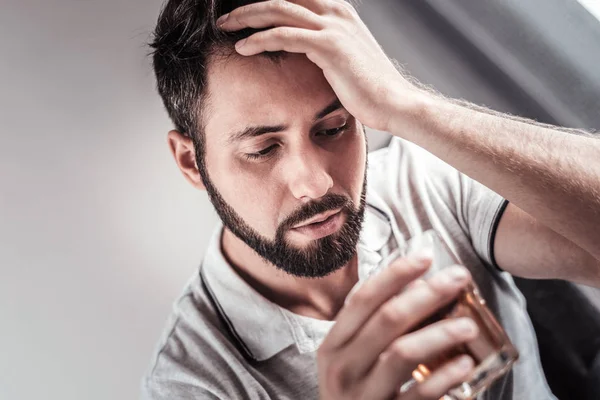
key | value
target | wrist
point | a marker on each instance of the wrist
(410, 112)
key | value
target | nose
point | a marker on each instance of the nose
(308, 177)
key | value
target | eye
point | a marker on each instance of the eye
(261, 154)
(333, 132)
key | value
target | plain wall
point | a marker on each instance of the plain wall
(99, 231)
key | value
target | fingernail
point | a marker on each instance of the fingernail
(458, 273)
(421, 258)
(222, 19)
(466, 326)
(240, 44)
(465, 363)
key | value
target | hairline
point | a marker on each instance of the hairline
(219, 53)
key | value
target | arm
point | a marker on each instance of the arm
(526, 247)
(551, 177)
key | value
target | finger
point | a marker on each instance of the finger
(322, 7)
(270, 14)
(341, 8)
(370, 296)
(291, 40)
(395, 365)
(400, 314)
(448, 376)
(415, 283)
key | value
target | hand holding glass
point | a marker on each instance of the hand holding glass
(492, 350)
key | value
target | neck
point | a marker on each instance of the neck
(319, 298)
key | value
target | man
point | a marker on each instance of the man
(277, 141)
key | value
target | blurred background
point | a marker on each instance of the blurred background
(98, 230)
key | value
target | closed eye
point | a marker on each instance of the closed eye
(262, 153)
(333, 132)
(266, 152)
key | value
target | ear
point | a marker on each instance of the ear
(182, 148)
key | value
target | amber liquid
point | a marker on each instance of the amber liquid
(491, 350)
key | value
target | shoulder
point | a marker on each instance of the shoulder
(194, 354)
(406, 172)
(156, 389)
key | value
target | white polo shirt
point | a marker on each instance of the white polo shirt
(226, 341)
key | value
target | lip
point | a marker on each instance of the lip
(318, 218)
(326, 227)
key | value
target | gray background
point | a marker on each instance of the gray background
(98, 230)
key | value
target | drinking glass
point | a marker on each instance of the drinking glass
(492, 350)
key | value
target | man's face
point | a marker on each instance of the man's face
(285, 162)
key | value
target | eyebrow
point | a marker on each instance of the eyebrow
(253, 131)
(331, 107)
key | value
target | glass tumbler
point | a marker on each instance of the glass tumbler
(492, 350)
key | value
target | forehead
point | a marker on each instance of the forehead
(245, 91)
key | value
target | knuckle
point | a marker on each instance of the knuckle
(281, 4)
(350, 6)
(391, 315)
(402, 351)
(343, 9)
(283, 34)
(365, 294)
(427, 392)
(335, 376)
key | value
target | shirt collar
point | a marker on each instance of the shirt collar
(261, 327)
(253, 320)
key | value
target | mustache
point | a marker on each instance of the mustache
(309, 210)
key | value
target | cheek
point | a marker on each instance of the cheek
(253, 197)
(349, 166)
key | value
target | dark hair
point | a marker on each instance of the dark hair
(185, 37)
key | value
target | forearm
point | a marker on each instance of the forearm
(547, 172)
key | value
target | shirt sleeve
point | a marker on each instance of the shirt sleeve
(153, 389)
(481, 210)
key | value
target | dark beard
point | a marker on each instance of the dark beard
(318, 259)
